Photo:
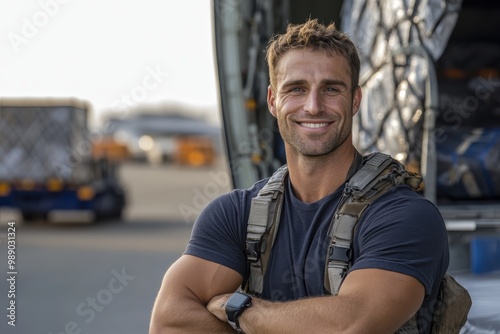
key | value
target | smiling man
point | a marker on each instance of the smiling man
(400, 249)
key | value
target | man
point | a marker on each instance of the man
(401, 250)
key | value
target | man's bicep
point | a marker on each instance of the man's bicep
(387, 299)
(191, 276)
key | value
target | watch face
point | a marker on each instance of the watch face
(237, 300)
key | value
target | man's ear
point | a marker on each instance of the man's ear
(356, 100)
(271, 100)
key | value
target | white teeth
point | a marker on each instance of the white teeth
(314, 125)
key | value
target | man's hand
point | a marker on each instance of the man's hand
(217, 306)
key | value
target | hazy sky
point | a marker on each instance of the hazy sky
(112, 53)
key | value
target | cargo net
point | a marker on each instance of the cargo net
(38, 143)
(398, 41)
(392, 111)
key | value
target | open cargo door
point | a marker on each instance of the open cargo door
(241, 32)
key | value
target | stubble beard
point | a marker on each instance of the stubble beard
(315, 146)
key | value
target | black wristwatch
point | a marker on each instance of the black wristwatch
(236, 304)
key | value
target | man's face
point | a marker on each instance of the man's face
(313, 101)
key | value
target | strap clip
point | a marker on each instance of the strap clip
(252, 251)
(337, 253)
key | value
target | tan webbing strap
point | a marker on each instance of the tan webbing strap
(368, 175)
(263, 223)
(344, 221)
(340, 252)
(257, 223)
(378, 174)
(257, 226)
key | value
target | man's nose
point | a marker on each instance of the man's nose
(313, 103)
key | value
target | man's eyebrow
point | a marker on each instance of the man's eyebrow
(333, 82)
(324, 82)
(297, 82)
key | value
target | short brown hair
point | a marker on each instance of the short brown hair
(315, 36)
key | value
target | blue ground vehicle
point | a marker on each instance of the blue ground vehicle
(46, 166)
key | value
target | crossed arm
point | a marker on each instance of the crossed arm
(194, 292)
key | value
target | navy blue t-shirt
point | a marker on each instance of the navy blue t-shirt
(401, 231)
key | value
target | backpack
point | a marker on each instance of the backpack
(369, 178)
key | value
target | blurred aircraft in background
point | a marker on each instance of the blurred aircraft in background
(161, 138)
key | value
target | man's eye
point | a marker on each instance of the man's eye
(331, 89)
(295, 89)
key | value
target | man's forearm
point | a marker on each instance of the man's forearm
(185, 316)
(301, 316)
(327, 314)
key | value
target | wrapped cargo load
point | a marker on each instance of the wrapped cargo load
(398, 42)
(416, 87)
(39, 142)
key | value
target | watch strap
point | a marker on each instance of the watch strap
(234, 311)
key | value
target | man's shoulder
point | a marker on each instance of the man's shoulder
(402, 207)
(405, 196)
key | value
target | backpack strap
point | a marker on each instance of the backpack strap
(378, 174)
(263, 222)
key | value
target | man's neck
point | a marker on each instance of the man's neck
(315, 178)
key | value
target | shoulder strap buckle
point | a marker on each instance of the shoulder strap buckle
(252, 250)
(338, 253)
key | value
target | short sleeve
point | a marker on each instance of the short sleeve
(219, 232)
(403, 232)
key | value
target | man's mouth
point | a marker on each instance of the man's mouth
(314, 125)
